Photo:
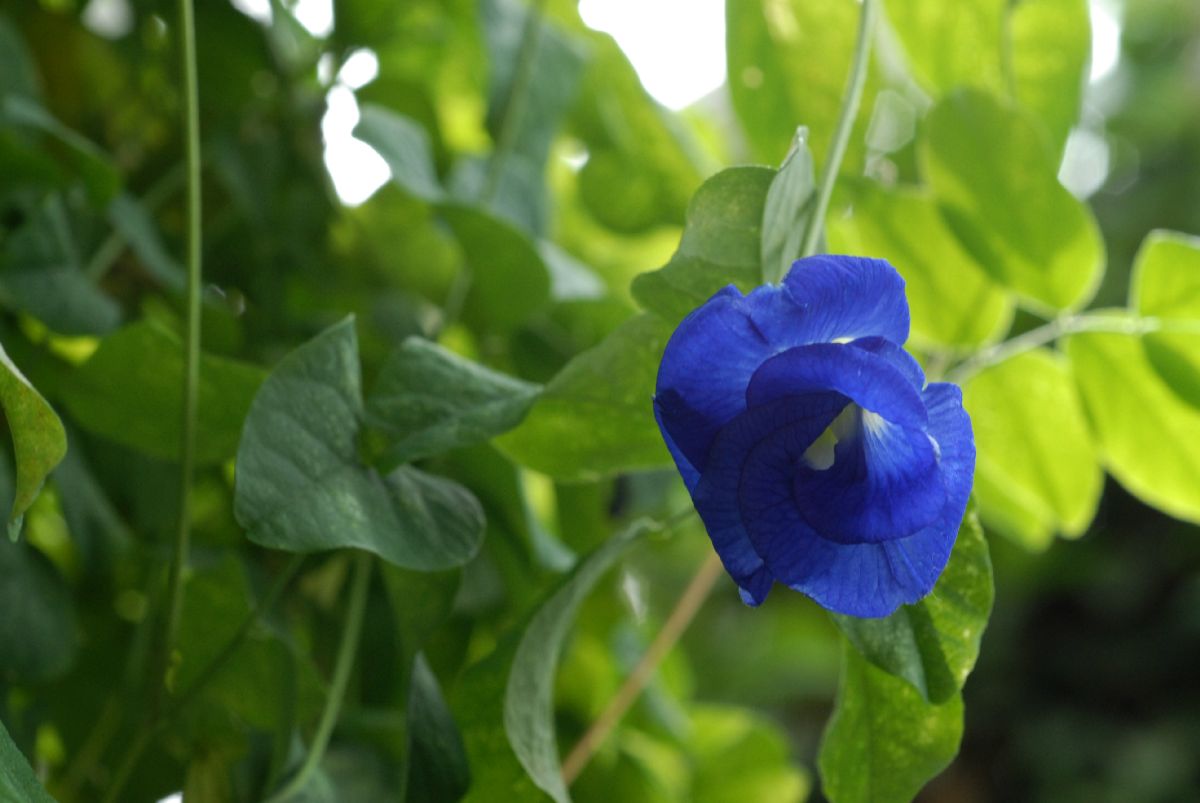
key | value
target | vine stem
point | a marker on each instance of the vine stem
(155, 725)
(191, 375)
(685, 610)
(351, 633)
(845, 125)
(1072, 324)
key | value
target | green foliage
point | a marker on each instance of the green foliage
(1166, 285)
(302, 487)
(994, 180)
(933, 643)
(1149, 453)
(130, 390)
(1037, 472)
(17, 781)
(39, 441)
(39, 616)
(884, 742)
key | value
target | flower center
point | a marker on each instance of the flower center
(820, 456)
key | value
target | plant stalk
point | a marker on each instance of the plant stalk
(845, 125)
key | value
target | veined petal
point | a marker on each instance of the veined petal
(899, 359)
(845, 298)
(797, 419)
(950, 428)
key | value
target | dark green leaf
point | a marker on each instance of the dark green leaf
(18, 784)
(1145, 432)
(595, 417)
(139, 230)
(39, 440)
(933, 643)
(884, 742)
(997, 184)
(437, 759)
(428, 400)
(529, 694)
(404, 145)
(94, 167)
(131, 391)
(721, 244)
(302, 488)
(1037, 472)
(786, 214)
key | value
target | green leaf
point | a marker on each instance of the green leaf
(788, 61)
(18, 784)
(18, 75)
(97, 171)
(1145, 432)
(998, 189)
(1037, 470)
(722, 737)
(131, 391)
(721, 244)
(129, 217)
(933, 643)
(38, 625)
(786, 213)
(509, 280)
(301, 486)
(429, 400)
(958, 308)
(595, 418)
(964, 44)
(884, 742)
(529, 693)
(437, 760)
(39, 440)
(1166, 285)
(404, 145)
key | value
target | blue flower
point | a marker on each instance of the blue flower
(813, 449)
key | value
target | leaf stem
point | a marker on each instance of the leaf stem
(191, 377)
(203, 678)
(351, 633)
(1066, 325)
(845, 125)
(677, 622)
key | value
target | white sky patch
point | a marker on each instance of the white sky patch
(315, 15)
(109, 18)
(255, 9)
(175, 798)
(1085, 163)
(676, 46)
(1106, 39)
(360, 69)
(356, 169)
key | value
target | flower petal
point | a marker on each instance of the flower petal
(950, 428)
(899, 359)
(798, 419)
(844, 297)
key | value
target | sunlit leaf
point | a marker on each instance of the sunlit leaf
(1166, 285)
(301, 486)
(996, 182)
(1037, 471)
(1145, 432)
(884, 742)
(933, 643)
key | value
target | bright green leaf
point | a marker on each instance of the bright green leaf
(933, 643)
(529, 694)
(1051, 43)
(595, 417)
(786, 214)
(1166, 285)
(788, 65)
(131, 391)
(39, 440)
(1037, 470)
(302, 488)
(722, 738)
(1146, 433)
(952, 300)
(428, 400)
(997, 185)
(18, 784)
(721, 244)
(884, 742)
